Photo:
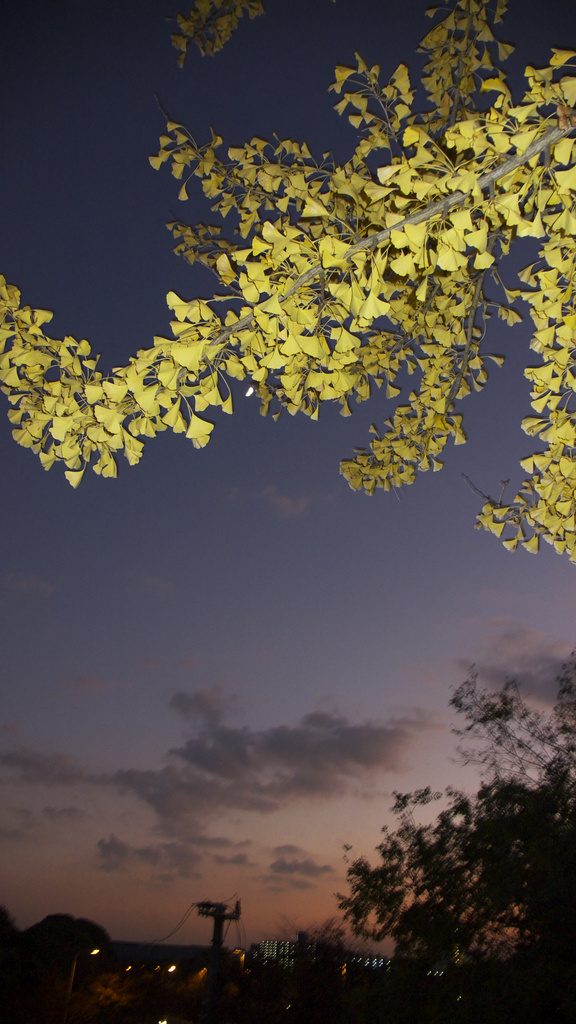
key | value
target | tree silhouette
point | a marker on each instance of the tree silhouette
(492, 880)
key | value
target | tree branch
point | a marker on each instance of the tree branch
(439, 206)
(469, 331)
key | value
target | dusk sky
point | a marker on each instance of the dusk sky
(218, 667)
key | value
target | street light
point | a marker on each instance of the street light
(93, 952)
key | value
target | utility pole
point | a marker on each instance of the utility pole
(220, 912)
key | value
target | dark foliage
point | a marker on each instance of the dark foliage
(484, 896)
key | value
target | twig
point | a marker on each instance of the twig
(476, 490)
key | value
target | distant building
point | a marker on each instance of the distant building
(274, 951)
(285, 953)
(377, 963)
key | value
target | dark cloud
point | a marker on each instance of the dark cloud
(44, 769)
(514, 651)
(287, 850)
(305, 867)
(12, 833)
(281, 883)
(210, 705)
(293, 868)
(172, 859)
(239, 859)
(114, 854)
(267, 769)
(219, 841)
(294, 865)
(63, 814)
(222, 768)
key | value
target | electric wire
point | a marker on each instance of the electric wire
(180, 924)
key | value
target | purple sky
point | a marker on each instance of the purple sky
(218, 667)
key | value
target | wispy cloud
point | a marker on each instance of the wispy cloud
(25, 585)
(91, 684)
(154, 586)
(20, 823)
(285, 506)
(511, 650)
(189, 661)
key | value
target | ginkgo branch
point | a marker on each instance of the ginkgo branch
(440, 207)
